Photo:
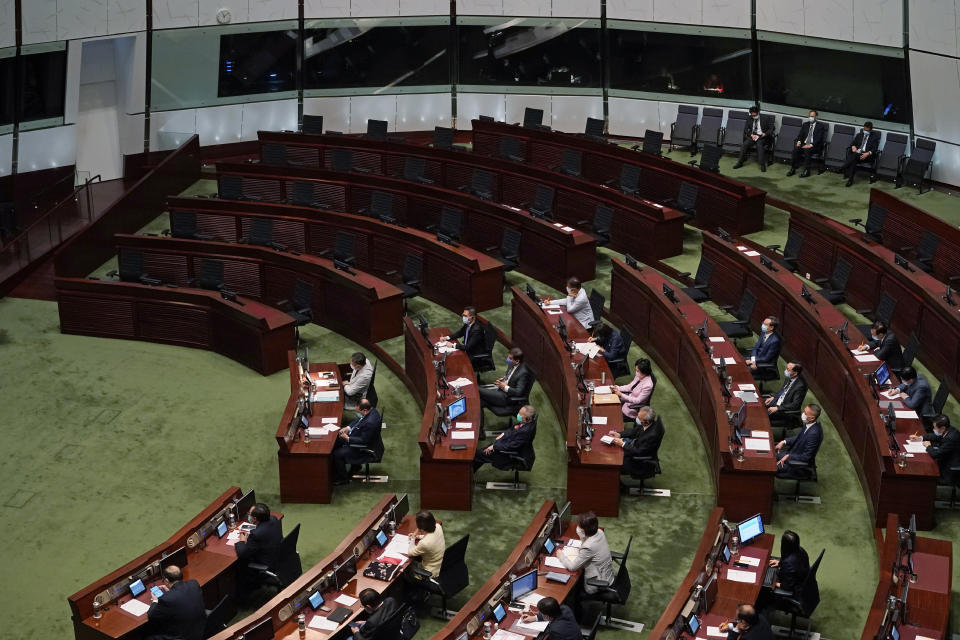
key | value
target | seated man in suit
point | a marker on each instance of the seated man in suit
(469, 335)
(379, 610)
(864, 147)
(643, 440)
(562, 625)
(913, 391)
(510, 442)
(513, 387)
(766, 351)
(610, 342)
(802, 447)
(791, 394)
(943, 445)
(363, 433)
(258, 547)
(361, 373)
(808, 140)
(637, 391)
(749, 625)
(884, 346)
(577, 302)
(180, 612)
(758, 135)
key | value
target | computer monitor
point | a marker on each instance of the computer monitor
(693, 624)
(381, 538)
(222, 529)
(562, 521)
(263, 630)
(882, 374)
(740, 417)
(549, 547)
(401, 509)
(244, 503)
(523, 585)
(345, 571)
(726, 553)
(177, 558)
(894, 632)
(315, 600)
(750, 528)
(136, 587)
(499, 612)
(456, 408)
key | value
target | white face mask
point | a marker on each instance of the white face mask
(764, 328)
(786, 373)
(569, 291)
(581, 533)
(466, 319)
(812, 119)
(804, 418)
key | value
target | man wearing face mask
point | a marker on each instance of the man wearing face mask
(756, 135)
(512, 388)
(361, 373)
(808, 141)
(259, 547)
(803, 447)
(470, 334)
(914, 390)
(379, 610)
(576, 302)
(593, 556)
(749, 625)
(767, 348)
(361, 434)
(943, 445)
(515, 441)
(643, 440)
(864, 147)
(884, 345)
(791, 394)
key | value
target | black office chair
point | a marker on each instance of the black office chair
(273, 154)
(299, 305)
(786, 136)
(219, 616)
(683, 132)
(642, 468)
(935, 407)
(883, 312)
(230, 187)
(834, 288)
(443, 139)
(509, 249)
(731, 135)
(791, 250)
(592, 631)
(374, 453)
(614, 594)
(652, 142)
(709, 158)
(621, 556)
(873, 228)
(700, 291)
(381, 207)
(629, 181)
(520, 461)
(508, 411)
(802, 602)
(481, 184)
(532, 118)
(371, 393)
(836, 154)
(130, 268)
(570, 164)
(711, 128)
(415, 169)
(891, 157)
(799, 472)
(303, 194)
(451, 224)
(377, 129)
(312, 124)
(210, 276)
(484, 362)
(341, 160)
(739, 328)
(925, 251)
(619, 366)
(597, 300)
(288, 566)
(344, 247)
(509, 149)
(183, 224)
(454, 574)
(542, 204)
(915, 170)
(909, 352)
(686, 200)
(410, 278)
(261, 234)
(594, 128)
(601, 226)
(765, 373)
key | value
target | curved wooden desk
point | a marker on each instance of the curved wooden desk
(593, 477)
(282, 609)
(251, 333)
(723, 202)
(642, 228)
(446, 476)
(547, 253)
(358, 306)
(920, 309)
(837, 379)
(668, 333)
(454, 277)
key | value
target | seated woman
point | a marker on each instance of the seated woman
(637, 391)
(610, 343)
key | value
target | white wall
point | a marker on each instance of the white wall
(6, 154)
(720, 13)
(8, 19)
(172, 14)
(867, 21)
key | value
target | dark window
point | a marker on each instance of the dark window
(43, 85)
(7, 79)
(689, 65)
(376, 57)
(263, 62)
(857, 84)
(550, 55)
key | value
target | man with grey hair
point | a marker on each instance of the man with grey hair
(644, 439)
(515, 441)
(361, 373)
(801, 448)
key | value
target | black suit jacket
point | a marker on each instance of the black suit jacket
(375, 623)
(643, 442)
(819, 133)
(473, 342)
(767, 124)
(521, 382)
(263, 544)
(888, 350)
(760, 631)
(804, 446)
(945, 450)
(873, 142)
(564, 626)
(793, 570)
(364, 434)
(179, 612)
(794, 397)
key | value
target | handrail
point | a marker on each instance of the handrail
(36, 197)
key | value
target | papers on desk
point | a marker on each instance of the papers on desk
(462, 425)
(460, 382)
(503, 634)
(914, 447)
(603, 390)
(605, 398)
(398, 546)
(907, 414)
(560, 225)
(345, 600)
(554, 312)
(320, 623)
(329, 420)
(325, 396)
(753, 562)
(532, 628)
(550, 307)
(923, 638)
(530, 599)
(602, 420)
(747, 396)
(867, 357)
(553, 563)
(746, 387)
(589, 349)
(607, 439)
(135, 607)
(740, 247)
(319, 432)
(752, 254)
(757, 444)
(741, 576)
(462, 435)
(233, 536)
(442, 350)
(714, 632)
(760, 434)
(325, 383)
(573, 544)
(716, 339)
(725, 361)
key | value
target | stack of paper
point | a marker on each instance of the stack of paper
(553, 563)
(726, 361)
(462, 435)
(462, 425)
(757, 444)
(752, 254)
(532, 628)
(746, 387)
(914, 447)
(589, 349)
(503, 634)
(551, 306)
(322, 624)
(599, 420)
(398, 545)
(603, 389)
(907, 414)
(716, 338)
(608, 439)
(460, 382)
(329, 420)
(135, 607)
(573, 544)
(741, 576)
(867, 357)
(753, 562)
(345, 600)
(760, 434)
(325, 396)
(714, 632)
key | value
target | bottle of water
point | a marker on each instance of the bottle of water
(97, 612)
(302, 624)
(393, 528)
(734, 544)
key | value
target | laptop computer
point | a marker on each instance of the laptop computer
(340, 614)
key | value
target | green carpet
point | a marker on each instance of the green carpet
(172, 428)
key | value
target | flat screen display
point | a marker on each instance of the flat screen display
(499, 612)
(261, 62)
(523, 584)
(381, 538)
(548, 546)
(222, 529)
(456, 409)
(750, 528)
(136, 588)
(315, 600)
(883, 374)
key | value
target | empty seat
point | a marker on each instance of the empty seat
(834, 288)
(509, 248)
(891, 156)
(509, 149)
(594, 127)
(377, 129)
(915, 170)
(381, 207)
(210, 276)
(711, 127)
(532, 117)
(312, 124)
(341, 160)
(710, 158)
(686, 200)
(542, 205)
(876, 218)
(652, 142)
(740, 328)
(924, 252)
(451, 223)
(261, 234)
(299, 305)
(786, 137)
(183, 224)
(570, 164)
(411, 278)
(629, 181)
(344, 247)
(443, 139)
(700, 291)
(302, 194)
(230, 187)
(733, 132)
(836, 153)
(601, 225)
(273, 154)
(130, 268)
(481, 184)
(414, 170)
(683, 132)
(791, 251)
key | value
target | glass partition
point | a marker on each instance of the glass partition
(260, 62)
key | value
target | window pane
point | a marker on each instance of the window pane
(263, 62)
(364, 56)
(856, 84)
(44, 84)
(6, 89)
(690, 65)
(553, 55)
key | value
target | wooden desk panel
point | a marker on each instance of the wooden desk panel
(647, 230)
(358, 306)
(592, 476)
(743, 488)
(251, 333)
(835, 377)
(547, 253)
(723, 202)
(455, 277)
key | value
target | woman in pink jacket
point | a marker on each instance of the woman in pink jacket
(638, 391)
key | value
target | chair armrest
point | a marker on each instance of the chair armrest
(726, 307)
(256, 566)
(822, 281)
(153, 282)
(741, 322)
(683, 274)
(583, 223)
(701, 287)
(392, 272)
(773, 247)
(413, 283)
(599, 585)
(864, 312)
(798, 463)
(113, 273)
(783, 593)
(906, 249)
(278, 246)
(494, 247)
(283, 303)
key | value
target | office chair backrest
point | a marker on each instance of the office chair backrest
(710, 157)
(789, 128)
(841, 275)
(312, 124)
(489, 336)
(481, 182)
(841, 141)
(894, 148)
(594, 127)
(510, 245)
(288, 562)
(218, 617)
(341, 160)
(710, 124)
(302, 193)
(183, 224)
(923, 150)
(371, 392)
(602, 221)
(597, 301)
(273, 154)
(653, 377)
(543, 198)
(414, 168)
(652, 142)
(532, 117)
(130, 265)
(910, 351)
(454, 575)
(629, 178)
(929, 242)
(621, 584)
(381, 205)
(302, 296)
(261, 231)
(211, 274)
(885, 308)
(509, 147)
(443, 137)
(687, 116)
(592, 634)
(412, 269)
(733, 133)
(572, 160)
(791, 250)
(747, 303)
(344, 246)
(704, 271)
(451, 222)
(876, 217)
(626, 551)
(940, 397)
(627, 338)
(377, 129)
(231, 187)
(809, 595)
(687, 197)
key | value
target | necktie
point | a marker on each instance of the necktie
(785, 390)
(863, 144)
(756, 126)
(506, 378)
(810, 134)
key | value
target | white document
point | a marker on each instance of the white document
(573, 544)
(740, 247)
(503, 634)
(460, 382)
(906, 413)
(914, 447)
(442, 350)
(329, 420)
(532, 628)
(715, 632)
(462, 425)
(461, 435)
(589, 349)
(603, 389)
(923, 638)
(322, 624)
(530, 599)
(558, 224)
(551, 306)
(345, 600)
(553, 563)
(398, 546)
(606, 439)
(753, 562)
(599, 420)
(742, 576)
(325, 396)
(568, 229)
(317, 432)
(760, 434)
(716, 339)
(135, 607)
(747, 387)
(757, 444)
(752, 254)
(554, 312)
(725, 361)
(867, 357)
